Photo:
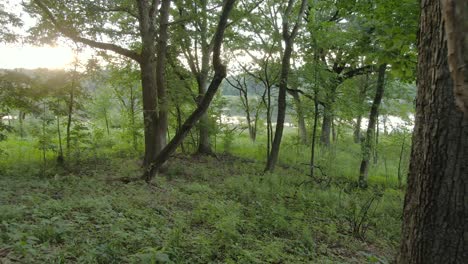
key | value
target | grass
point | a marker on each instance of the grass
(201, 210)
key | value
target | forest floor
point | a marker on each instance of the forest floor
(201, 210)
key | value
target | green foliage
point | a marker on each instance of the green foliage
(206, 210)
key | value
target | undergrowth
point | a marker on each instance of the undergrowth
(201, 210)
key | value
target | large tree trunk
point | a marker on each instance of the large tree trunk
(373, 116)
(148, 80)
(161, 50)
(153, 80)
(455, 14)
(435, 217)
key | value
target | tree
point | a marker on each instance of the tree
(435, 211)
(219, 75)
(9, 22)
(86, 22)
(373, 118)
(251, 108)
(288, 34)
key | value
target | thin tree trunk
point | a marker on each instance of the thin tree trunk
(288, 38)
(326, 127)
(70, 110)
(314, 134)
(362, 100)
(328, 115)
(334, 130)
(400, 162)
(368, 142)
(275, 147)
(60, 158)
(357, 129)
(132, 120)
(21, 123)
(435, 216)
(376, 143)
(300, 116)
(220, 74)
(107, 122)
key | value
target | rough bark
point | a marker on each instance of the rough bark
(152, 75)
(373, 116)
(288, 38)
(435, 217)
(455, 15)
(161, 84)
(219, 75)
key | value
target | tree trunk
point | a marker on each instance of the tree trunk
(435, 217)
(161, 50)
(455, 14)
(60, 158)
(107, 121)
(314, 133)
(70, 111)
(288, 38)
(275, 147)
(368, 142)
(357, 130)
(300, 116)
(21, 123)
(334, 131)
(376, 144)
(328, 115)
(153, 79)
(220, 74)
(326, 127)
(132, 119)
(400, 162)
(148, 80)
(204, 144)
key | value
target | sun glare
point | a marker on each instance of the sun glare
(30, 57)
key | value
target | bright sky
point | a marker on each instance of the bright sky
(31, 57)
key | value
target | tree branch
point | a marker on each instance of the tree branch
(75, 37)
